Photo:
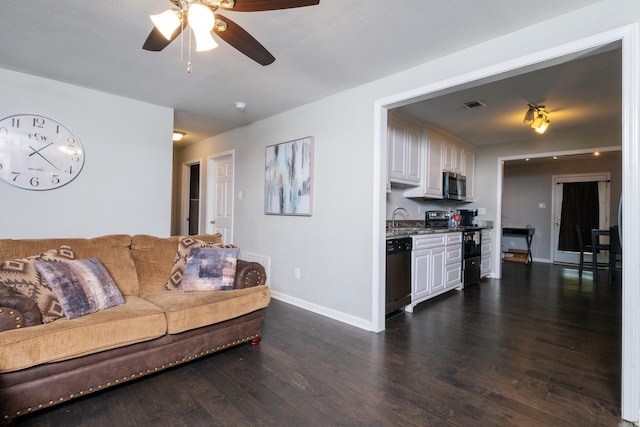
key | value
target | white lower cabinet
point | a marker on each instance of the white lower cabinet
(436, 266)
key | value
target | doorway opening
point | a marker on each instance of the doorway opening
(628, 36)
(190, 223)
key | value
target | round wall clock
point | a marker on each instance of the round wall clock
(38, 153)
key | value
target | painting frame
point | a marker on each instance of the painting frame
(288, 173)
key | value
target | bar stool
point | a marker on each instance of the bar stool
(598, 246)
(583, 248)
(614, 250)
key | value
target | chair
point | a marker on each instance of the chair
(583, 248)
(596, 246)
(614, 250)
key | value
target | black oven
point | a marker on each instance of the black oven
(471, 244)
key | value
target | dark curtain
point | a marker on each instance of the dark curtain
(579, 207)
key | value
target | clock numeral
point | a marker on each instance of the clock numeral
(38, 122)
(15, 176)
(55, 179)
(15, 122)
(71, 140)
(4, 131)
(69, 170)
(57, 128)
(34, 181)
(75, 159)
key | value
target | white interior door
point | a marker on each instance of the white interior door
(220, 173)
(604, 209)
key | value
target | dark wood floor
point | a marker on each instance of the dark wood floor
(537, 348)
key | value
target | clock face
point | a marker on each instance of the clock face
(38, 153)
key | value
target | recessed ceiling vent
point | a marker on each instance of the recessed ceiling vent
(475, 104)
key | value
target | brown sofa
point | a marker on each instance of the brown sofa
(45, 364)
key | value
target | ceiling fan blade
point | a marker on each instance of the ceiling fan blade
(263, 5)
(240, 39)
(156, 41)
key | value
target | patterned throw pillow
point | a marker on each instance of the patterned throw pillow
(21, 275)
(185, 245)
(210, 269)
(82, 286)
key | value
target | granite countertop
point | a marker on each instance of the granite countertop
(406, 228)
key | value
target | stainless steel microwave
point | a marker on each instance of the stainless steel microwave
(454, 186)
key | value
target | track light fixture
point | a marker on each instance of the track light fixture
(537, 117)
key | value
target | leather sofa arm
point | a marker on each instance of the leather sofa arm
(249, 274)
(17, 311)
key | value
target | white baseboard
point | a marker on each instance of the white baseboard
(324, 311)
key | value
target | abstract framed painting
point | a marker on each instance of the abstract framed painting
(288, 178)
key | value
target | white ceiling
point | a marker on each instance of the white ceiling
(581, 92)
(319, 50)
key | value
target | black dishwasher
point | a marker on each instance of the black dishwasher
(398, 274)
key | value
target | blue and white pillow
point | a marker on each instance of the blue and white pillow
(210, 269)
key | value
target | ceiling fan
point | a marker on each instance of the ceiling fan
(199, 14)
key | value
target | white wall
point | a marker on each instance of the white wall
(125, 184)
(333, 247)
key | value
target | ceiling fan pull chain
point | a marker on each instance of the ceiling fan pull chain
(189, 60)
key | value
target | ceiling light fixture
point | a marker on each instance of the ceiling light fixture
(195, 13)
(537, 117)
(167, 22)
(177, 135)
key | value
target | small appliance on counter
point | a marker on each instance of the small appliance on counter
(466, 217)
(436, 219)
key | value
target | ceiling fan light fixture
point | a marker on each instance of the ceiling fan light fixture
(528, 116)
(201, 18)
(537, 120)
(543, 126)
(166, 22)
(537, 117)
(204, 41)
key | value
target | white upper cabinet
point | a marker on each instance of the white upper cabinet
(435, 147)
(405, 150)
(439, 154)
(453, 158)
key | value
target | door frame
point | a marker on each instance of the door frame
(210, 188)
(629, 36)
(184, 204)
(576, 177)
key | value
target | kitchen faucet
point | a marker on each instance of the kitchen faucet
(393, 217)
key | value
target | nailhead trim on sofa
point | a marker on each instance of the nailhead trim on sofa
(134, 376)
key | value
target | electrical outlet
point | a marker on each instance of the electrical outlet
(482, 211)
(296, 272)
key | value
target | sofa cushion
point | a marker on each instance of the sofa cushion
(21, 275)
(154, 258)
(113, 251)
(135, 321)
(82, 286)
(210, 269)
(190, 310)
